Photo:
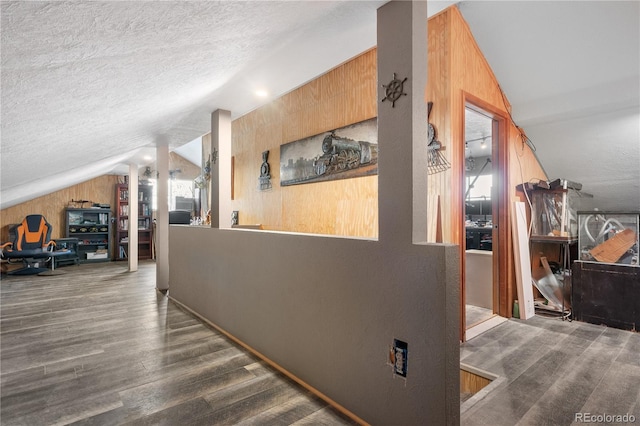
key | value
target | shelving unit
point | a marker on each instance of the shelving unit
(554, 237)
(566, 255)
(145, 222)
(92, 228)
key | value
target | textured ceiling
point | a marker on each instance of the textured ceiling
(477, 134)
(87, 87)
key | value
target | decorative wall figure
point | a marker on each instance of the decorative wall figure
(348, 152)
(234, 217)
(265, 176)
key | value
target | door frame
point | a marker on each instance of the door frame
(500, 206)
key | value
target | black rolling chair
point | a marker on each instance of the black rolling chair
(32, 245)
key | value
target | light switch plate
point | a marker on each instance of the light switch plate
(400, 355)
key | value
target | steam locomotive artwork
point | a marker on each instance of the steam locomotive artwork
(348, 152)
(341, 154)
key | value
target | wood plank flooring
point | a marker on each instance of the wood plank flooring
(549, 370)
(476, 314)
(99, 346)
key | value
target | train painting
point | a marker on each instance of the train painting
(348, 152)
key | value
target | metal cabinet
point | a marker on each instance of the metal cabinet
(92, 228)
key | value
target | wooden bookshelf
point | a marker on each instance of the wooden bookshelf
(145, 222)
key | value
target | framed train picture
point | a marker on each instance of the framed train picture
(347, 152)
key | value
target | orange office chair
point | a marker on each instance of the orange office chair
(31, 244)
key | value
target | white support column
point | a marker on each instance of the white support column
(420, 112)
(162, 219)
(220, 175)
(133, 217)
(224, 161)
(402, 127)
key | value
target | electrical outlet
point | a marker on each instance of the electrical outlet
(399, 354)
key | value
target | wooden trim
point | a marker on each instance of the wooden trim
(471, 382)
(500, 148)
(458, 184)
(233, 174)
(504, 242)
(484, 106)
(273, 364)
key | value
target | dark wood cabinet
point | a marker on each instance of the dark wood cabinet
(608, 294)
(144, 220)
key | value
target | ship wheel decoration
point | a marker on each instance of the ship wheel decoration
(436, 161)
(394, 90)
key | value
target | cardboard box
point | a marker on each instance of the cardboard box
(96, 255)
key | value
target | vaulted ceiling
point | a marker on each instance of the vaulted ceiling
(88, 87)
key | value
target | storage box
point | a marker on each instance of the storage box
(96, 255)
(553, 214)
(609, 237)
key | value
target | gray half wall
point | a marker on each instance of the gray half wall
(327, 309)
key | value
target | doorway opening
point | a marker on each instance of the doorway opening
(484, 181)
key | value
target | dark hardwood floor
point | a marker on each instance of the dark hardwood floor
(99, 346)
(554, 372)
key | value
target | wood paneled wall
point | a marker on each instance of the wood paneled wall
(188, 170)
(98, 190)
(342, 96)
(347, 94)
(458, 70)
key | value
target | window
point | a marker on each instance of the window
(178, 188)
(481, 188)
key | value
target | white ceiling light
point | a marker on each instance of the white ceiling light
(261, 93)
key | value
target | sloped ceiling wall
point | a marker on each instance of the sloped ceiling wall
(572, 73)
